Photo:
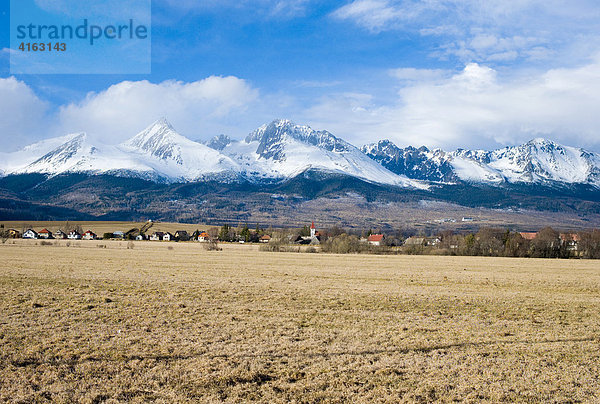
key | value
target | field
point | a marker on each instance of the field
(171, 322)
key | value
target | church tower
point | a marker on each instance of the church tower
(313, 230)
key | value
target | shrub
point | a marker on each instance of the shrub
(212, 245)
(130, 245)
(44, 242)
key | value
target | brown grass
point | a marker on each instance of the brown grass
(90, 324)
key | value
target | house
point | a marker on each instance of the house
(119, 235)
(570, 240)
(528, 235)
(168, 237)
(89, 235)
(375, 239)
(468, 219)
(140, 237)
(157, 236)
(59, 234)
(45, 233)
(30, 234)
(181, 235)
(203, 237)
(74, 235)
(12, 233)
(264, 239)
(432, 241)
(411, 241)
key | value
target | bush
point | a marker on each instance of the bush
(130, 245)
(212, 245)
(44, 242)
(107, 236)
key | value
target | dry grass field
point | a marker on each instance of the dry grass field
(171, 322)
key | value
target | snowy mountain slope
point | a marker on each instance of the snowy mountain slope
(156, 153)
(167, 152)
(79, 155)
(283, 149)
(421, 163)
(539, 161)
(11, 162)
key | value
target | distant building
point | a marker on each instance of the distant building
(157, 236)
(181, 235)
(45, 234)
(424, 241)
(414, 241)
(376, 239)
(30, 234)
(203, 237)
(314, 238)
(140, 237)
(119, 235)
(74, 235)
(89, 235)
(59, 234)
(528, 235)
(264, 239)
(168, 237)
(570, 241)
(468, 219)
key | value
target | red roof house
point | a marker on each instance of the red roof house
(375, 239)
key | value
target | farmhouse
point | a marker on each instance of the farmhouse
(157, 236)
(89, 235)
(140, 237)
(30, 233)
(376, 239)
(59, 234)
(168, 237)
(74, 235)
(45, 234)
(203, 237)
(264, 239)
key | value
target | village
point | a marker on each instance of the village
(486, 242)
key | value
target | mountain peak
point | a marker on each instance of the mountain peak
(219, 142)
(274, 136)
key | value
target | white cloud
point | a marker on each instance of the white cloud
(197, 109)
(474, 108)
(485, 31)
(477, 107)
(22, 114)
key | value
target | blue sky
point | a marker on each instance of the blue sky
(444, 73)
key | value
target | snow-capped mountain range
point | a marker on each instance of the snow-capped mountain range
(539, 161)
(282, 150)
